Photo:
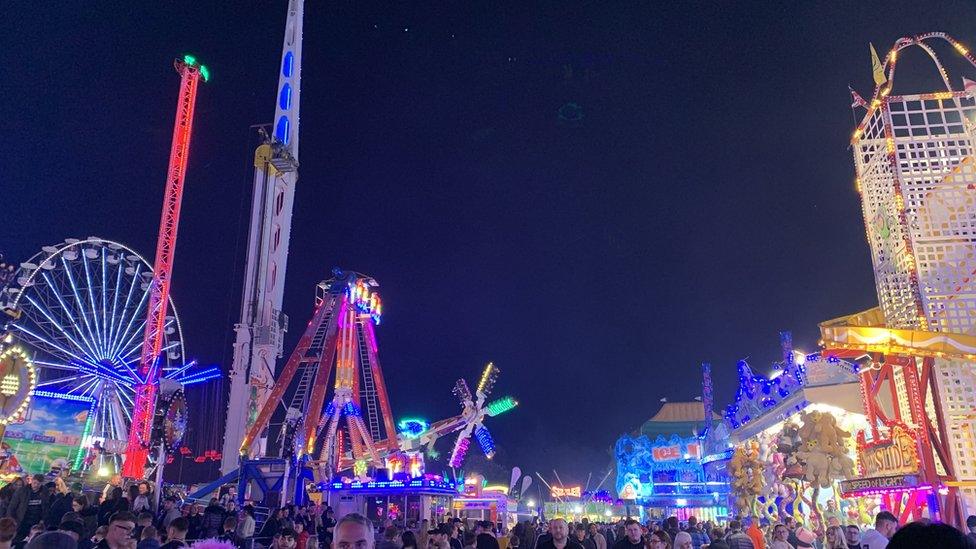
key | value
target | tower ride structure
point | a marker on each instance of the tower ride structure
(140, 431)
(916, 175)
(354, 428)
(260, 331)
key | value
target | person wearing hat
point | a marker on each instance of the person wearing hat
(804, 537)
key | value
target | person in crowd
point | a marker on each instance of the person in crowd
(484, 537)
(755, 534)
(632, 536)
(835, 538)
(285, 538)
(8, 529)
(246, 524)
(113, 483)
(7, 492)
(52, 540)
(599, 540)
(176, 534)
(698, 535)
(971, 526)
(194, 520)
(88, 514)
(60, 502)
(805, 538)
(468, 541)
(717, 536)
(118, 534)
(885, 526)
(559, 537)
(28, 505)
(780, 538)
(353, 531)
(408, 540)
(114, 503)
(671, 526)
(143, 519)
(213, 519)
(169, 513)
(683, 541)
(149, 538)
(658, 540)
(853, 535)
(389, 540)
(927, 534)
(71, 524)
(271, 526)
(581, 537)
(229, 532)
(736, 538)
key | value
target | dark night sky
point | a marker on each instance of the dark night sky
(704, 202)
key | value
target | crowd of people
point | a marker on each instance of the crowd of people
(39, 512)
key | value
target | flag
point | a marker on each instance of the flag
(857, 100)
(968, 85)
(877, 67)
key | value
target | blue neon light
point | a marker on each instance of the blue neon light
(396, 485)
(284, 98)
(282, 130)
(63, 396)
(288, 64)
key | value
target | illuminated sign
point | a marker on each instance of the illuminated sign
(666, 453)
(897, 455)
(562, 492)
(878, 484)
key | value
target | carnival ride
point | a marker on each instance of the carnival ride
(79, 307)
(262, 326)
(355, 429)
(916, 175)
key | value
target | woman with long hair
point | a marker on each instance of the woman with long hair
(835, 538)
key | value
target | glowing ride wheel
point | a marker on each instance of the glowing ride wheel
(17, 382)
(173, 412)
(80, 308)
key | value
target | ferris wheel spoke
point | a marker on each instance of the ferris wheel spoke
(133, 344)
(121, 342)
(91, 300)
(60, 328)
(87, 388)
(66, 311)
(125, 307)
(52, 345)
(115, 299)
(104, 306)
(74, 291)
(54, 365)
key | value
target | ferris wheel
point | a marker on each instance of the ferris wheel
(80, 306)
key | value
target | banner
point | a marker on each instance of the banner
(50, 435)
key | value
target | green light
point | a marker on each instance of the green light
(189, 60)
(205, 73)
(501, 406)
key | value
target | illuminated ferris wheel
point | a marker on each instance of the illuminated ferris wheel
(80, 307)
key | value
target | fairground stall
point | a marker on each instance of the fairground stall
(663, 469)
(792, 439)
(916, 176)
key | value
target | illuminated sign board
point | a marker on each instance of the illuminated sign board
(563, 492)
(895, 456)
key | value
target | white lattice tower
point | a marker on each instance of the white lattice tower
(917, 179)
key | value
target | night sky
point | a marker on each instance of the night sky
(695, 197)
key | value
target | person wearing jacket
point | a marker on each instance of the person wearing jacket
(28, 505)
(213, 519)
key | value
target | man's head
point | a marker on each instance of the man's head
(169, 502)
(580, 532)
(781, 532)
(559, 530)
(692, 521)
(285, 539)
(120, 528)
(36, 481)
(145, 518)
(735, 526)
(73, 527)
(149, 532)
(230, 524)
(886, 524)
(177, 528)
(633, 530)
(790, 523)
(353, 531)
(853, 534)
(971, 523)
(592, 528)
(8, 529)
(390, 533)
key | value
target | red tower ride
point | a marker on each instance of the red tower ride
(140, 432)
